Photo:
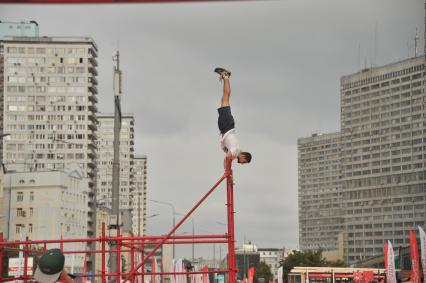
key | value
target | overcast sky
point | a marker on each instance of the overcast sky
(286, 59)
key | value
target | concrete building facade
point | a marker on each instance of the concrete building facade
(246, 256)
(105, 152)
(48, 106)
(383, 132)
(272, 258)
(320, 217)
(139, 195)
(47, 205)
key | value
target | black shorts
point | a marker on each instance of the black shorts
(225, 121)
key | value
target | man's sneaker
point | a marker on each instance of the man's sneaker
(223, 73)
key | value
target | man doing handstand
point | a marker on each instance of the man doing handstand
(226, 123)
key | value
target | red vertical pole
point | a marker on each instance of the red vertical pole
(118, 278)
(142, 257)
(103, 254)
(25, 259)
(162, 270)
(1, 257)
(45, 247)
(153, 269)
(132, 263)
(230, 212)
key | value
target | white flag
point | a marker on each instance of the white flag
(423, 251)
(390, 269)
(21, 255)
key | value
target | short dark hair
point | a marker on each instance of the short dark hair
(247, 156)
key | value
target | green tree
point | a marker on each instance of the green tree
(263, 270)
(306, 258)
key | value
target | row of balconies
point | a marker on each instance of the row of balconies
(93, 108)
(93, 61)
(92, 117)
(92, 98)
(404, 92)
(359, 88)
(93, 70)
(398, 100)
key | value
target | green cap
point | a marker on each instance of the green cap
(50, 266)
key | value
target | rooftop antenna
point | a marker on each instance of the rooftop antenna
(416, 39)
(408, 48)
(375, 46)
(359, 56)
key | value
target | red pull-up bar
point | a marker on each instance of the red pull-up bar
(230, 212)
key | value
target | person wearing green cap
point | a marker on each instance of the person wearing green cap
(51, 268)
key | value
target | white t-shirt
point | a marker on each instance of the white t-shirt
(229, 142)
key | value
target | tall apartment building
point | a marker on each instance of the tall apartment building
(320, 217)
(48, 106)
(106, 156)
(383, 135)
(139, 195)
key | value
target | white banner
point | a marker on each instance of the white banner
(422, 236)
(21, 255)
(390, 269)
(178, 267)
(280, 275)
(14, 267)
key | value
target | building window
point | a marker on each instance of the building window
(31, 211)
(30, 228)
(19, 212)
(18, 228)
(19, 196)
(31, 196)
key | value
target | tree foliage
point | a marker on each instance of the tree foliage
(307, 258)
(263, 270)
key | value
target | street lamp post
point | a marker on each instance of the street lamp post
(116, 161)
(193, 233)
(174, 220)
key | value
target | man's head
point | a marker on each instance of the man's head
(50, 266)
(244, 157)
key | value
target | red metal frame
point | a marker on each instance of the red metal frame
(104, 1)
(136, 244)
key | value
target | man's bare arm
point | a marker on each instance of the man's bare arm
(227, 155)
(65, 277)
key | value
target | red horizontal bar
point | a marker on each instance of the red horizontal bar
(34, 242)
(319, 275)
(127, 273)
(190, 272)
(104, 1)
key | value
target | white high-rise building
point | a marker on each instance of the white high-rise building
(139, 195)
(320, 215)
(48, 106)
(106, 157)
(383, 134)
